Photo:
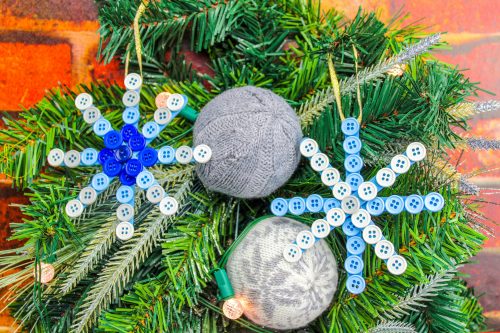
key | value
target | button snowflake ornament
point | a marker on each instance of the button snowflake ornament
(127, 155)
(354, 203)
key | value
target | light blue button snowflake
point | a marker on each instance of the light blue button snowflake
(127, 155)
(354, 203)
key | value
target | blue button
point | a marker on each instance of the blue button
(414, 204)
(353, 163)
(434, 202)
(128, 131)
(89, 156)
(166, 155)
(112, 167)
(102, 126)
(297, 206)
(394, 204)
(131, 115)
(126, 179)
(355, 245)
(350, 126)
(123, 154)
(331, 203)
(148, 157)
(133, 167)
(150, 130)
(314, 203)
(137, 142)
(113, 139)
(352, 145)
(124, 194)
(355, 284)
(105, 154)
(375, 207)
(354, 180)
(100, 182)
(279, 207)
(349, 229)
(354, 265)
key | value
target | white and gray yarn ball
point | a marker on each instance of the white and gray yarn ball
(274, 292)
(254, 136)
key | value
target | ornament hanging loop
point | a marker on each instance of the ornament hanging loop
(335, 85)
(137, 37)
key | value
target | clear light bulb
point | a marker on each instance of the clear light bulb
(47, 272)
(232, 309)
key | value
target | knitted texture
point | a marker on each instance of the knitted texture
(275, 293)
(254, 136)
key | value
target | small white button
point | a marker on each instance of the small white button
(74, 208)
(55, 157)
(416, 151)
(308, 147)
(87, 195)
(372, 234)
(169, 206)
(131, 98)
(350, 204)
(384, 249)
(133, 81)
(125, 212)
(320, 228)
(202, 153)
(175, 102)
(385, 177)
(400, 164)
(367, 191)
(330, 176)
(162, 116)
(397, 265)
(319, 162)
(361, 218)
(72, 159)
(83, 101)
(91, 115)
(335, 217)
(341, 190)
(184, 154)
(305, 239)
(292, 253)
(145, 179)
(155, 193)
(124, 231)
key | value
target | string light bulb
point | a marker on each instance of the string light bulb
(232, 309)
(47, 273)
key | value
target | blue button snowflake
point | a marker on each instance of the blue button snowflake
(127, 155)
(354, 203)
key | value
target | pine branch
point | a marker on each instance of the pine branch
(467, 109)
(393, 327)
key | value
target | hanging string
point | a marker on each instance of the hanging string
(335, 85)
(137, 37)
(358, 92)
(127, 60)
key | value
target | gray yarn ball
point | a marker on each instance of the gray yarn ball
(254, 136)
(274, 292)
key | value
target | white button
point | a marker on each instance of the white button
(202, 153)
(385, 177)
(155, 193)
(367, 191)
(397, 265)
(74, 208)
(131, 98)
(400, 164)
(341, 190)
(91, 115)
(133, 81)
(55, 157)
(384, 249)
(305, 239)
(292, 253)
(335, 217)
(330, 176)
(145, 179)
(320, 228)
(308, 147)
(125, 212)
(72, 159)
(87, 195)
(372, 234)
(319, 162)
(416, 151)
(184, 154)
(175, 102)
(350, 204)
(124, 230)
(169, 206)
(361, 218)
(83, 101)
(162, 116)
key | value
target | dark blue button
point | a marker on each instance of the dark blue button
(123, 154)
(113, 139)
(137, 142)
(148, 157)
(133, 167)
(105, 154)
(128, 131)
(112, 167)
(126, 179)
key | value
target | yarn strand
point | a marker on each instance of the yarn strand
(335, 85)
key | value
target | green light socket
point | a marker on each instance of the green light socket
(225, 288)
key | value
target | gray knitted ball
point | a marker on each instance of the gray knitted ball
(274, 292)
(254, 136)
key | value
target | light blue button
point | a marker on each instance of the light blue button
(125, 194)
(355, 245)
(131, 115)
(150, 130)
(349, 229)
(353, 163)
(354, 179)
(100, 182)
(350, 126)
(89, 156)
(297, 206)
(354, 265)
(355, 284)
(394, 204)
(434, 202)
(414, 204)
(375, 207)
(145, 179)
(102, 126)
(330, 203)
(279, 207)
(352, 145)
(166, 155)
(314, 203)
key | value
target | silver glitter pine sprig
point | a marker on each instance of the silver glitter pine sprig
(483, 144)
